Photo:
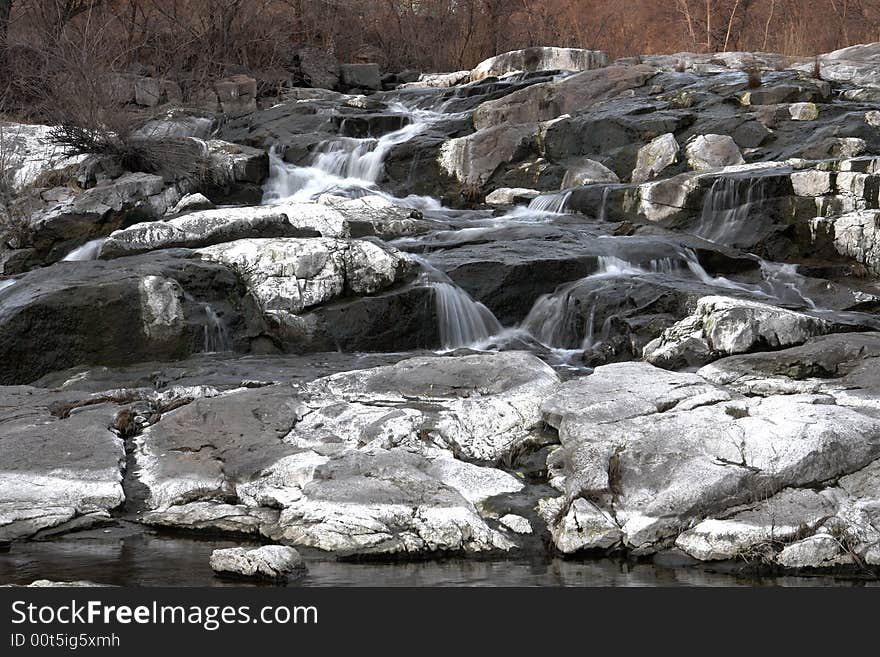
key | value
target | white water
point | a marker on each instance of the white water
(550, 203)
(88, 251)
(216, 336)
(7, 283)
(726, 209)
(462, 321)
(345, 165)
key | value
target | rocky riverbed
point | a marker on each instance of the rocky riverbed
(550, 316)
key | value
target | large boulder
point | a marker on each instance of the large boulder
(272, 562)
(853, 235)
(475, 158)
(587, 172)
(571, 95)
(712, 152)
(316, 68)
(653, 158)
(535, 59)
(722, 326)
(360, 76)
(662, 452)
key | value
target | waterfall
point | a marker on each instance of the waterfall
(725, 215)
(462, 321)
(343, 164)
(603, 208)
(216, 336)
(88, 251)
(550, 203)
(7, 283)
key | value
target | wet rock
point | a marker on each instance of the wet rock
(656, 156)
(712, 152)
(473, 159)
(56, 467)
(540, 59)
(377, 216)
(60, 316)
(724, 326)
(272, 562)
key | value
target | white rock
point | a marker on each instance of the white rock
(511, 195)
(540, 59)
(583, 527)
(812, 183)
(712, 152)
(872, 118)
(803, 111)
(812, 552)
(587, 172)
(273, 562)
(653, 158)
(516, 524)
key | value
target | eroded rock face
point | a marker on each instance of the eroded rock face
(723, 326)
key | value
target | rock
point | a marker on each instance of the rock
(209, 227)
(67, 314)
(587, 172)
(803, 111)
(506, 196)
(516, 524)
(836, 147)
(481, 406)
(671, 198)
(872, 118)
(360, 76)
(812, 183)
(56, 467)
(234, 163)
(213, 517)
(473, 159)
(29, 151)
(438, 80)
(795, 91)
(237, 95)
(191, 203)
(712, 152)
(174, 125)
(540, 59)
(656, 156)
(377, 216)
(317, 68)
(582, 527)
(854, 235)
(723, 326)
(272, 562)
(812, 552)
(290, 275)
(753, 532)
(572, 95)
(665, 466)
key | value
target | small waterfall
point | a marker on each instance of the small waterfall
(216, 336)
(550, 203)
(726, 209)
(343, 164)
(603, 208)
(7, 283)
(462, 321)
(785, 283)
(88, 251)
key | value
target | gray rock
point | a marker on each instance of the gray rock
(540, 59)
(209, 227)
(854, 235)
(473, 159)
(273, 562)
(656, 156)
(191, 203)
(317, 68)
(803, 111)
(505, 196)
(360, 76)
(583, 526)
(712, 152)
(587, 172)
(237, 95)
(55, 467)
(571, 95)
(723, 326)
(812, 552)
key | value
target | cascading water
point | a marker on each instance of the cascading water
(344, 164)
(727, 216)
(216, 335)
(461, 321)
(550, 203)
(88, 251)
